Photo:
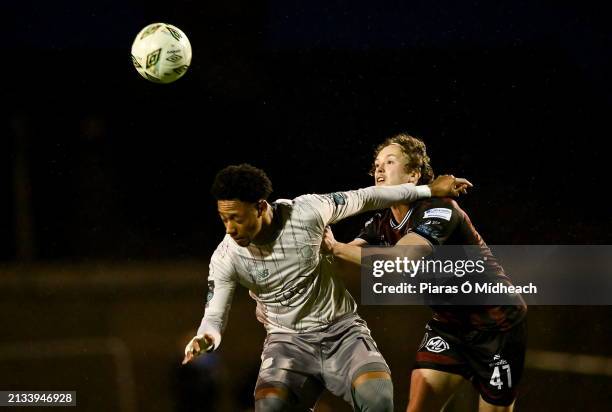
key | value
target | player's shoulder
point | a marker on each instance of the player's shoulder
(308, 199)
(377, 220)
(285, 202)
(225, 248)
(339, 198)
(303, 208)
(222, 261)
(315, 203)
(298, 206)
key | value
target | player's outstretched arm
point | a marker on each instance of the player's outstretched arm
(337, 206)
(449, 186)
(442, 186)
(197, 345)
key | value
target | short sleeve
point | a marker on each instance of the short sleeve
(436, 220)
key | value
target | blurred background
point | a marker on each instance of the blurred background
(106, 222)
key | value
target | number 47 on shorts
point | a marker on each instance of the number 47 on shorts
(496, 378)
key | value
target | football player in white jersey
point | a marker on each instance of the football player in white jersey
(315, 339)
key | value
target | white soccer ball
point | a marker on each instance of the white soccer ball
(161, 53)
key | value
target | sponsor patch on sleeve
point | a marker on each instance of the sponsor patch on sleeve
(439, 212)
(338, 198)
(211, 292)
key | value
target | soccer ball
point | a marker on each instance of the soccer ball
(161, 53)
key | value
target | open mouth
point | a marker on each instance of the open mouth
(380, 179)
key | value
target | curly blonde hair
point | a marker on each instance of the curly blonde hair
(416, 152)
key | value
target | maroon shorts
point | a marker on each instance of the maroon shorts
(493, 361)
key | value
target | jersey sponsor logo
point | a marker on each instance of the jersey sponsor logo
(437, 345)
(438, 212)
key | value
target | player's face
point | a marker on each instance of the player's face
(242, 220)
(389, 167)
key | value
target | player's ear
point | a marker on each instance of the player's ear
(414, 176)
(262, 206)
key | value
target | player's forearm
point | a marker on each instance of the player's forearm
(346, 252)
(217, 309)
(382, 197)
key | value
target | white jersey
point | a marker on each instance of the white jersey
(293, 284)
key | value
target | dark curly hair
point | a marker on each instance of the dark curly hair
(242, 182)
(414, 148)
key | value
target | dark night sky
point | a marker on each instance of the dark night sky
(513, 95)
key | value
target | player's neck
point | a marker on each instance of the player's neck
(268, 232)
(400, 211)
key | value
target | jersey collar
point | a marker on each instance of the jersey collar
(399, 226)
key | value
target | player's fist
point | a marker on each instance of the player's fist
(449, 185)
(197, 345)
(328, 242)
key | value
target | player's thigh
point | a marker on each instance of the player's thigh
(430, 389)
(288, 372)
(439, 368)
(464, 398)
(351, 358)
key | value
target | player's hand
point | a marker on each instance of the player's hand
(197, 345)
(449, 185)
(328, 242)
(462, 186)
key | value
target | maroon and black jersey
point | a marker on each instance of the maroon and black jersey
(442, 222)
